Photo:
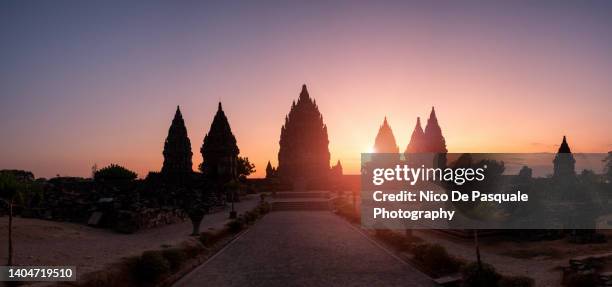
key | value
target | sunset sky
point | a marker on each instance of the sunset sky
(85, 82)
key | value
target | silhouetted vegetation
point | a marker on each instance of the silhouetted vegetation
(16, 188)
(435, 259)
(244, 168)
(175, 257)
(114, 173)
(479, 275)
(516, 281)
(151, 266)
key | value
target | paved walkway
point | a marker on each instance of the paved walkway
(304, 248)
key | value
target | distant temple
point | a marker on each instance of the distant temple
(219, 150)
(177, 149)
(429, 141)
(564, 162)
(304, 154)
(270, 171)
(385, 141)
(417, 139)
(336, 170)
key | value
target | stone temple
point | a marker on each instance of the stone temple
(385, 141)
(428, 141)
(220, 151)
(564, 162)
(177, 149)
(303, 156)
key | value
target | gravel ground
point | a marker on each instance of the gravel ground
(304, 248)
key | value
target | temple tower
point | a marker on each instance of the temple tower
(337, 170)
(270, 171)
(417, 139)
(385, 141)
(219, 151)
(564, 162)
(434, 140)
(177, 148)
(304, 153)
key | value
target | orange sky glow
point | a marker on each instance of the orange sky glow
(106, 91)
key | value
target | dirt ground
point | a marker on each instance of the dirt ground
(42, 242)
(540, 260)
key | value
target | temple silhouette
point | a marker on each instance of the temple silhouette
(177, 150)
(564, 162)
(220, 151)
(429, 141)
(303, 156)
(385, 141)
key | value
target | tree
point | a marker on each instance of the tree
(14, 188)
(244, 168)
(193, 199)
(114, 172)
(195, 208)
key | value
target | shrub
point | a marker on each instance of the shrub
(476, 277)
(210, 238)
(249, 217)
(151, 266)
(435, 258)
(114, 172)
(581, 279)
(263, 207)
(175, 257)
(393, 238)
(191, 250)
(516, 281)
(235, 225)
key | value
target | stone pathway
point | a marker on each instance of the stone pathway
(304, 248)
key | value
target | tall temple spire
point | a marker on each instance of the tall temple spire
(270, 171)
(304, 93)
(304, 144)
(219, 150)
(564, 147)
(177, 148)
(417, 139)
(435, 142)
(385, 141)
(564, 162)
(337, 170)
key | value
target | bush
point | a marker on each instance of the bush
(114, 172)
(175, 257)
(393, 238)
(263, 208)
(581, 279)
(435, 258)
(191, 250)
(249, 217)
(475, 277)
(151, 266)
(516, 281)
(235, 225)
(210, 238)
